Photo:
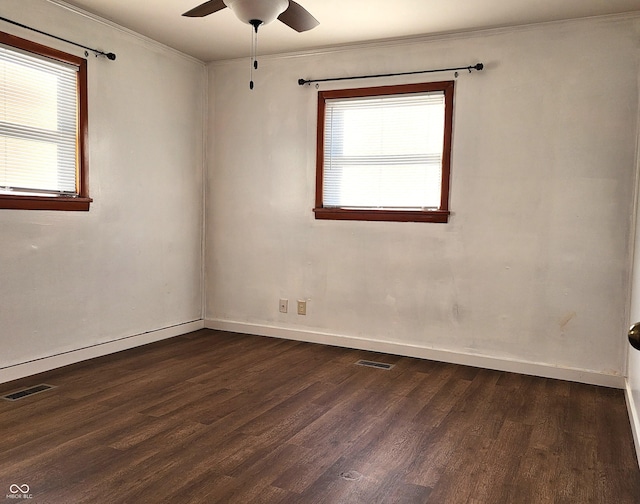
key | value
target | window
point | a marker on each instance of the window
(384, 153)
(43, 127)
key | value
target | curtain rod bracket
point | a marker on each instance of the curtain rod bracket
(477, 66)
(110, 56)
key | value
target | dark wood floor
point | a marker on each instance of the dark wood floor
(217, 417)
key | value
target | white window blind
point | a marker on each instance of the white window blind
(38, 124)
(384, 152)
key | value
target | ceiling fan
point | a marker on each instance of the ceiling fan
(260, 12)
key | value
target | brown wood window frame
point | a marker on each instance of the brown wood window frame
(82, 201)
(440, 214)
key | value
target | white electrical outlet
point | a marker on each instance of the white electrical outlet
(302, 307)
(284, 305)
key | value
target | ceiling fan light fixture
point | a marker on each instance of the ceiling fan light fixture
(257, 10)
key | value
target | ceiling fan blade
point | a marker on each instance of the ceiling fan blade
(298, 18)
(205, 9)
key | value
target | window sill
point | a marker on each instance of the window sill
(438, 216)
(79, 204)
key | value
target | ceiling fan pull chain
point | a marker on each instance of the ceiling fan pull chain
(252, 59)
(255, 50)
(255, 23)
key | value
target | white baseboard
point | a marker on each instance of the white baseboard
(633, 418)
(36, 366)
(482, 361)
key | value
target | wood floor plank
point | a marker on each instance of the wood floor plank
(537, 478)
(614, 454)
(67, 417)
(500, 465)
(309, 464)
(582, 410)
(342, 482)
(552, 418)
(578, 462)
(450, 487)
(203, 486)
(352, 424)
(217, 417)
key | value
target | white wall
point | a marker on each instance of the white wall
(531, 273)
(132, 264)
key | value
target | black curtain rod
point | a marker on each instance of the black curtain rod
(477, 66)
(97, 52)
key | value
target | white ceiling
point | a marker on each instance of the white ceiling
(222, 36)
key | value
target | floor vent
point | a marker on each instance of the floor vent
(20, 394)
(378, 365)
